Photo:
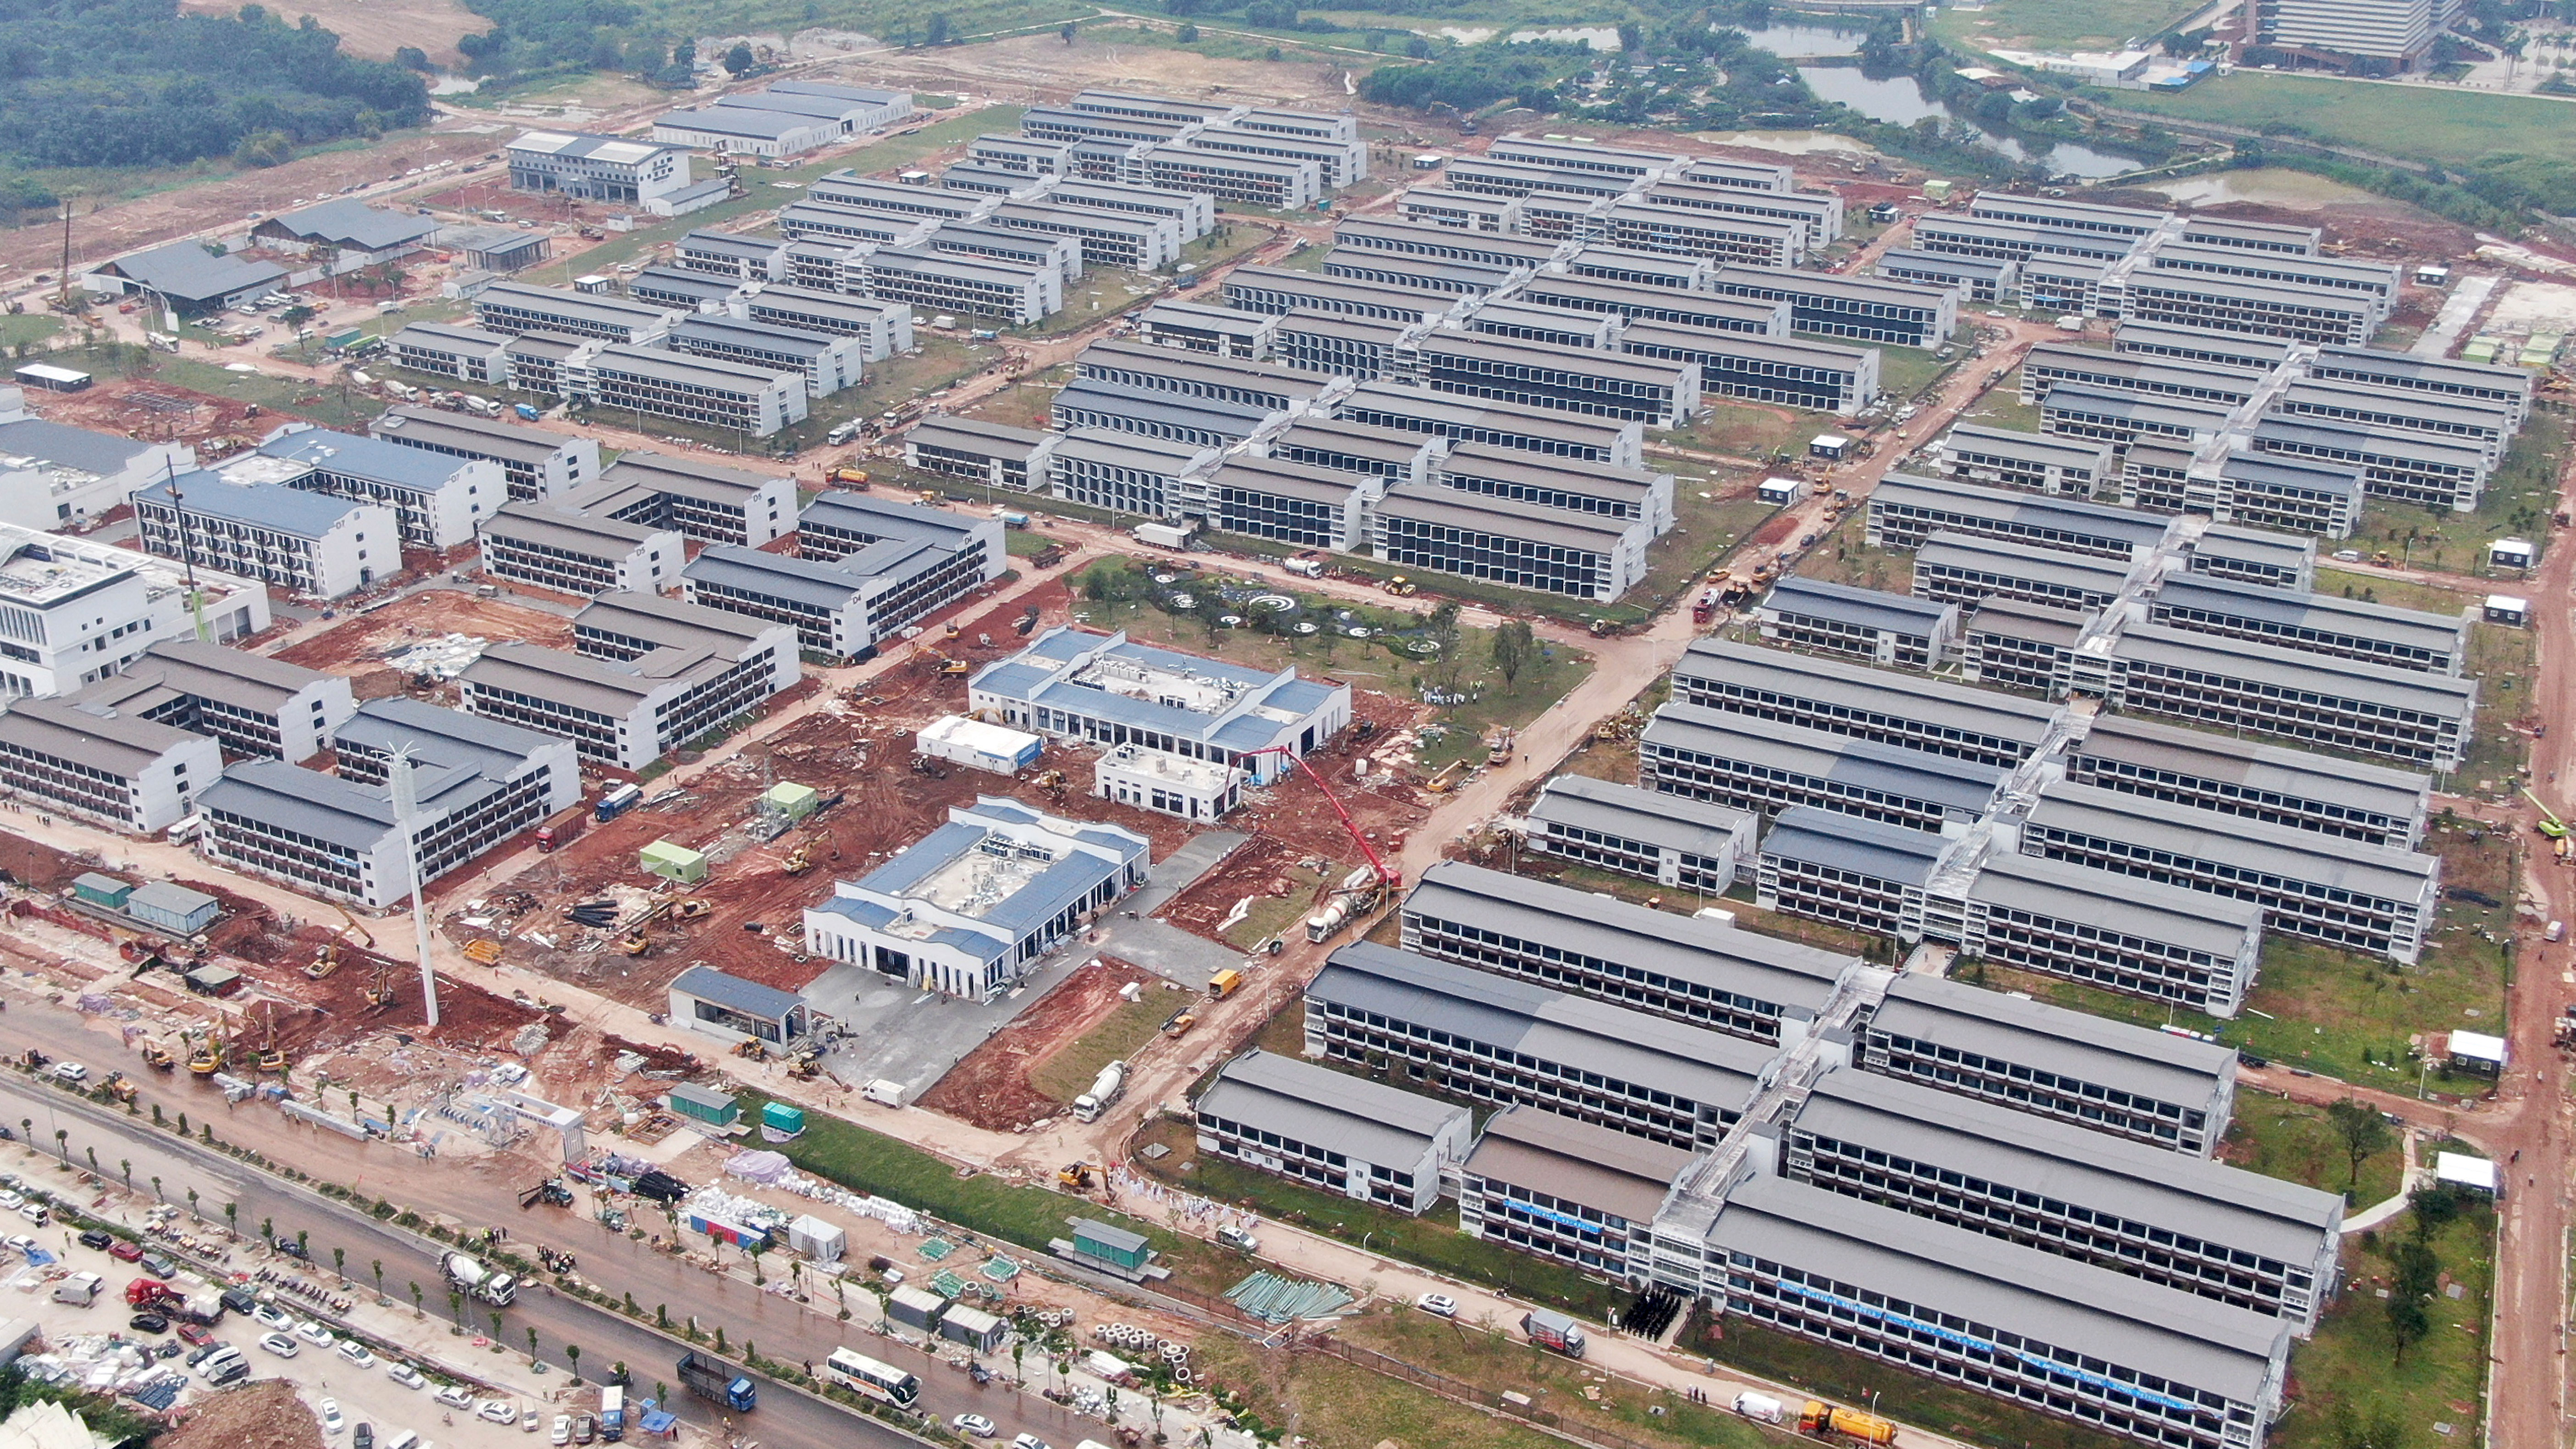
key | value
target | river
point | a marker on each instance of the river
(1900, 100)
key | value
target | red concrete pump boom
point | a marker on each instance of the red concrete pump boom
(1386, 876)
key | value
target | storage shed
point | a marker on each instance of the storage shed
(978, 746)
(915, 1308)
(1095, 1239)
(705, 999)
(1777, 490)
(699, 1104)
(2506, 609)
(973, 1327)
(2511, 553)
(214, 980)
(91, 888)
(674, 862)
(781, 1122)
(791, 799)
(818, 1240)
(172, 907)
(1828, 446)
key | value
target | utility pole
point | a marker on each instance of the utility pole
(187, 548)
(406, 802)
(63, 278)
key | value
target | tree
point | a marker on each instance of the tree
(378, 1264)
(1632, 38)
(340, 1264)
(1271, 14)
(411, 57)
(456, 1308)
(532, 1343)
(572, 1357)
(938, 31)
(304, 1244)
(232, 1212)
(739, 61)
(1515, 649)
(1188, 34)
(415, 1297)
(2361, 1130)
(2383, 1428)
(2407, 1322)
(125, 1167)
(63, 1143)
(1418, 46)
(1067, 34)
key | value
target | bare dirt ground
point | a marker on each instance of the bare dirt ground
(1028, 67)
(991, 1087)
(264, 1414)
(162, 412)
(374, 28)
(357, 646)
(126, 225)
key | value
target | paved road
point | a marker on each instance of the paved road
(780, 1327)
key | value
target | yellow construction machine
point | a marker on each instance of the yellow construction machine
(691, 909)
(208, 1056)
(633, 942)
(1401, 587)
(1074, 1177)
(484, 952)
(119, 1086)
(796, 862)
(325, 961)
(157, 1057)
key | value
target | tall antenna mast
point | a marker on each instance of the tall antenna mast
(63, 282)
(406, 800)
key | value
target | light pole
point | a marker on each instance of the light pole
(406, 803)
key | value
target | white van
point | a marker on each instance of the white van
(403, 1440)
(80, 1289)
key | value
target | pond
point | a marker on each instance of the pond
(1805, 42)
(1900, 100)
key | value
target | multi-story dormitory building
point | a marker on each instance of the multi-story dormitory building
(73, 610)
(649, 674)
(1864, 308)
(1840, 698)
(1814, 375)
(1278, 291)
(1506, 541)
(866, 568)
(1991, 280)
(2298, 789)
(99, 763)
(996, 455)
(253, 706)
(1869, 624)
(311, 544)
(1503, 424)
(2420, 719)
(1763, 765)
(2125, 419)
(2406, 466)
(2191, 344)
(1752, 241)
(1697, 972)
(2053, 363)
(2069, 466)
(534, 463)
(1294, 503)
(1346, 1135)
(2255, 556)
(436, 498)
(2012, 645)
(572, 553)
(1558, 1188)
(882, 328)
(1344, 345)
(2264, 490)
(1660, 838)
(1423, 1022)
(1572, 379)
(1359, 234)
(515, 307)
(1570, 291)
(1963, 568)
(2334, 889)
(1905, 509)
(1947, 234)
(1420, 273)
(826, 363)
(477, 781)
(752, 400)
(664, 286)
(2317, 623)
(2225, 1234)
(709, 502)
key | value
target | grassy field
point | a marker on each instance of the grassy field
(1069, 1072)
(1750, 430)
(1901, 1394)
(2000, 406)
(2352, 1368)
(335, 407)
(1335, 1405)
(1116, 593)
(2516, 502)
(2343, 1014)
(2455, 128)
(2294, 1142)
(1904, 372)
(1431, 1240)
(1845, 556)
(2060, 25)
(1495, 1357)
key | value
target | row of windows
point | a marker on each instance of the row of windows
(1248, 394)
(1394, 274)
(2231, 798)
(2302, 636)
(1480, 1073)
(1678, 998)
(1909, 731)
(1748, 786)
(1906, 525)
(2351, 723)
(1471, 432)
(1953, 583)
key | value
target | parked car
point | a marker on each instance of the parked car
(454, 1396)
(160, 1265)
(315, 1334)
(71, 1071)
(332, 1423)
(363, 1437)
(975, 1424)
(405, 1375)
(562, 1433)
(148, 1323)
(96, 1238)
(121, 1250)
(279, 1344)
(356, 1353)
(271, 1316)
(195, 1334)
(1438, 1305)
(497, 1412)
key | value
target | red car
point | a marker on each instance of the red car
(125, 1252)
(194, 1334)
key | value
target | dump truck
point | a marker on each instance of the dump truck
(1106, 1089)
(472, 1278)
(1823, 1418)
(1224, 984)
(715, 1381)
(558, 832)
(1553, 1330)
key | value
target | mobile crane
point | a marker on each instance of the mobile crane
(1385, 881)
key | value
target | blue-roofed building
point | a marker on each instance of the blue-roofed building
(705, 999)
(307, 544)
(970, 908)
(438, 498)
(1108, 690)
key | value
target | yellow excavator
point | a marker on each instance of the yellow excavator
(208, 1056)
(796, 862)
(692, 908)
(1074, 1177)
(157, 1057)
(272, 1058)
(325, 961)
(633, 942)
(380, 987)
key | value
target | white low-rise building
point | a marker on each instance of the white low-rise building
(52, 476)
(304, 543)
(73, 612)
(972, 907)
(1107, 690)
(1166, 783)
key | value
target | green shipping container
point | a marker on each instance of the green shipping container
(779, 1117)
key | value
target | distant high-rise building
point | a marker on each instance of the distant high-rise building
(2397, 30)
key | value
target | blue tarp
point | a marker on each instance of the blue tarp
(38, 1257)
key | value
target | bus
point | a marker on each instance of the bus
(880, 1381)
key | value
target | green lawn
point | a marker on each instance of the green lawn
(28, 328)
(1431, 1240)
(2454, 128)
(350, 408)
(1900, 1394)
(2061, 25)
(2293, 1141)
(1750, 430)
(1497, 1357)
(2000, 406)
(2343, 1014)
(1845, 556)
(2517, 501)
(1118, 593)
(1904, 372)
(1069, 1072)
(2352, 1370)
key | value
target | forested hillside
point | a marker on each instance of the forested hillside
(137, 83)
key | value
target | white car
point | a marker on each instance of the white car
(1029, 1441)
(332, 1423)
(356, 1353)
(23, 1244)
(496, 1411)
(71, 1071)
(315, 1334)
(10, 1200)
(974, 1424)
(405, 1375)
(528, 1420)
(454, 1396)
(562, 1431)
(272, 1316)
(1438, 1305)
(279, 1344)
